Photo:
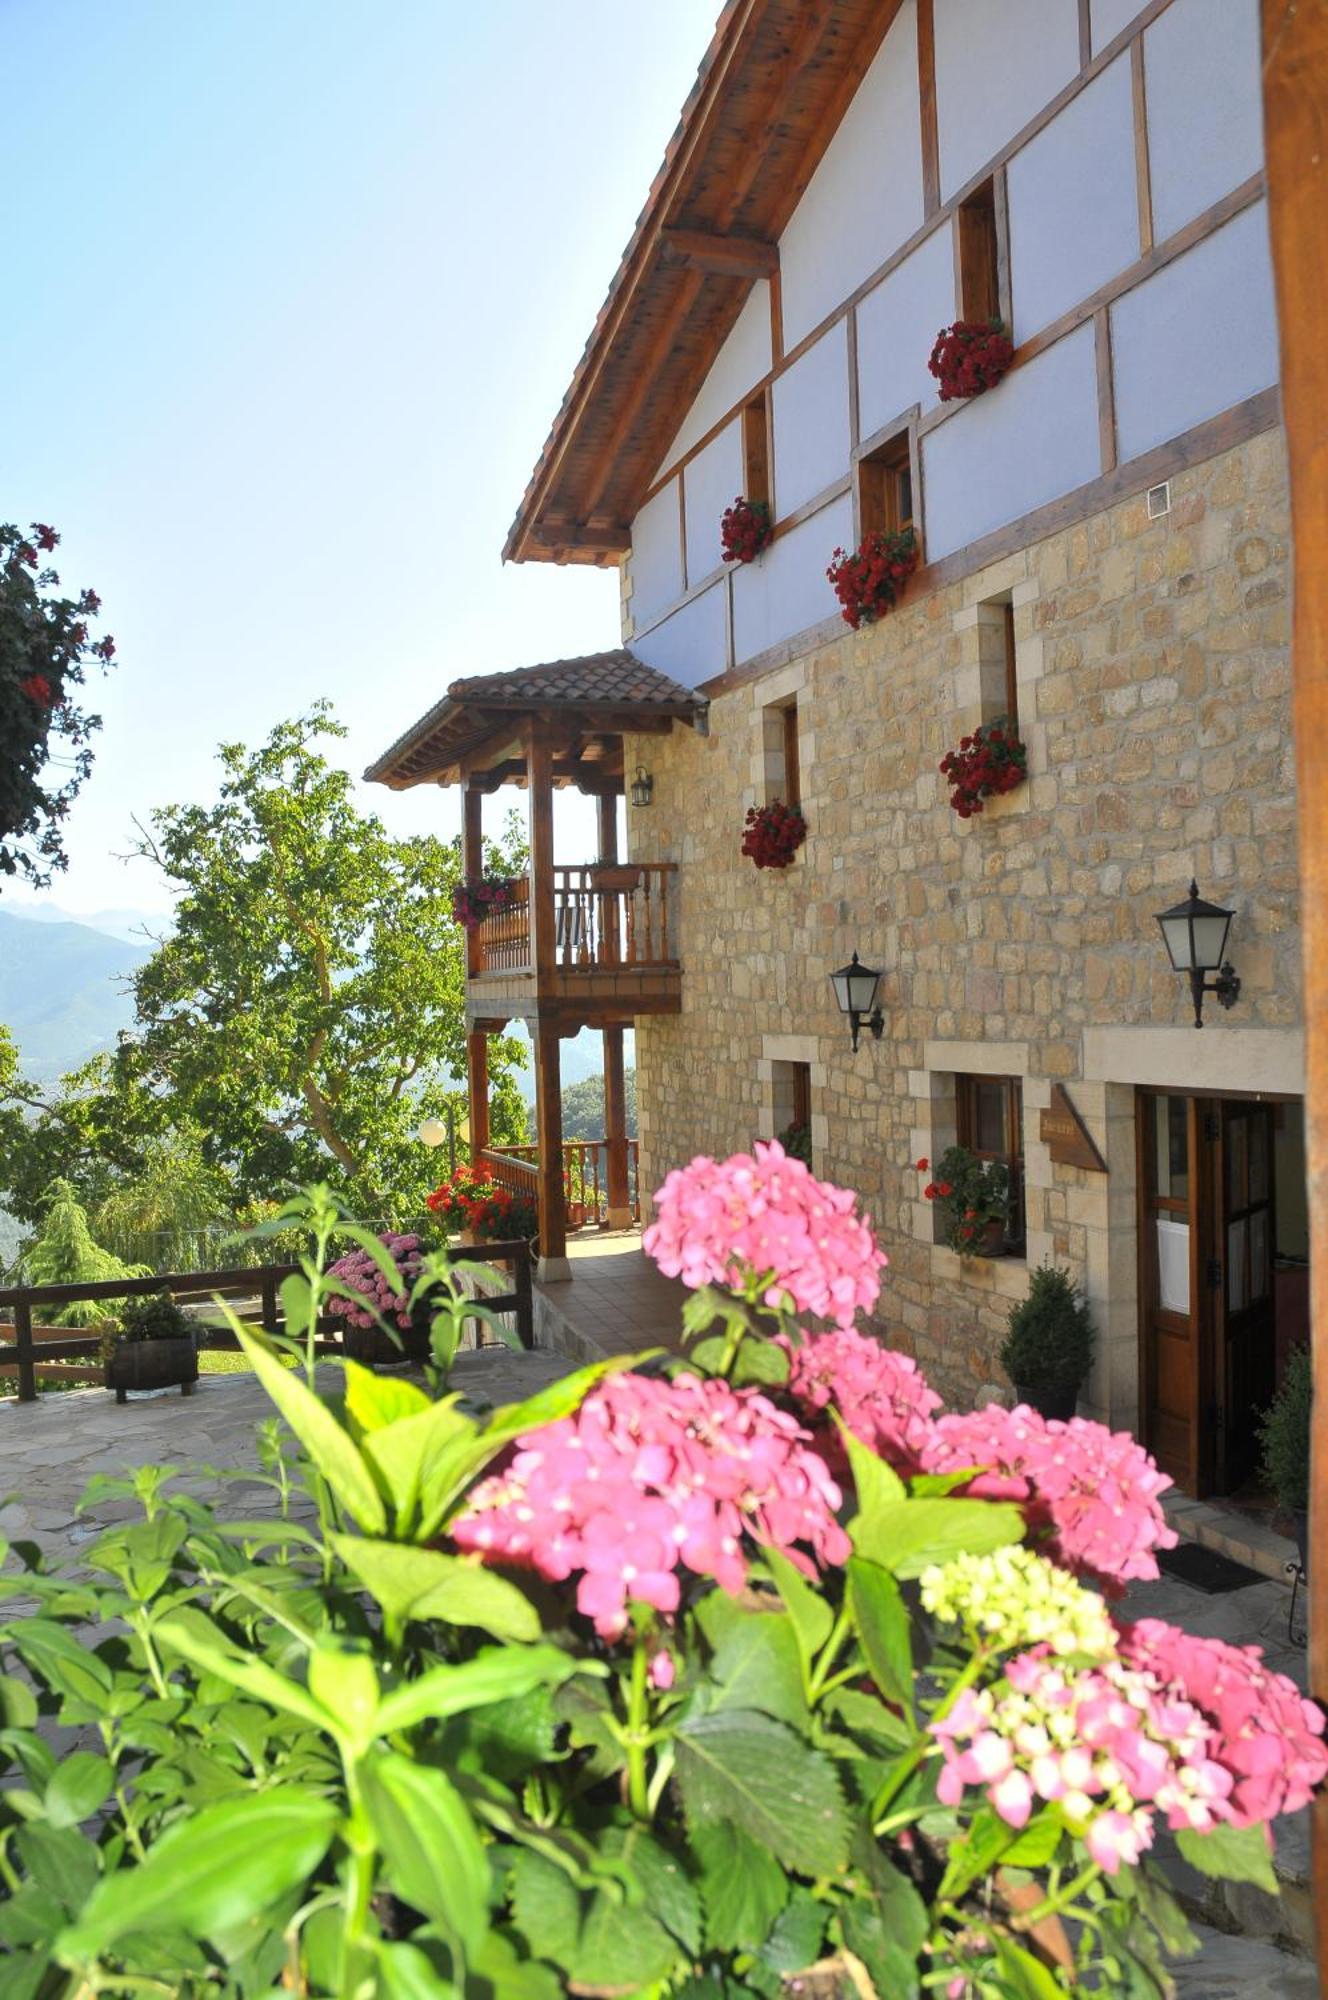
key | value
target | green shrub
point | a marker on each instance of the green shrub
(1050, 1341)
(797, 1142)
(154, 1318)
(1285, 1435)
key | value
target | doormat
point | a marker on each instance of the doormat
(1206, 1569)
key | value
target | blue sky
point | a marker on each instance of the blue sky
(295, 289)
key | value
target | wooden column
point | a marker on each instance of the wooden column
(1295, 97)
(543, 938)
(553, 1264)
(477, 1090)
(472, 859)
(615, 1130)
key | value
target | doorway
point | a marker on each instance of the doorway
(1223, 1274)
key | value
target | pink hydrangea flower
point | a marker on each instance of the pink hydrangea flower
(651, 1477)
(883, 1397)
(1093, 1492)
(764, 1215)
(1269, 1737)
(365, 1289)
(1114, 1751)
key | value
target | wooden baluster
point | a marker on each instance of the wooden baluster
(629, 913)
(586, 921)
(647, 879)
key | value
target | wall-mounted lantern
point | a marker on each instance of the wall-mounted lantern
(1195, 934)
(642, 786)
(855, 987)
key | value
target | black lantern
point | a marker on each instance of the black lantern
(642, 786)
(855, 987)
(1195, 935)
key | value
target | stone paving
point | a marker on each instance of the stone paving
(49, 1450)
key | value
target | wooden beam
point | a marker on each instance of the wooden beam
(472, 859)
(1106, 389)
(1143, 175)
(1295, 100)
(931, 144)
(646, 367)
(551, 534)
(722, 256)
(477, 1091)
(539, 778)
(615, 1130)
(550, 1196)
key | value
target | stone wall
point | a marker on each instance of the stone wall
(1153, 691)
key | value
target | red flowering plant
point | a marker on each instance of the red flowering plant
(868, 581)
(472, 902)
(987, 764)
(973, 1195)
(970, 357)
(45, 648)
(701, 1671)
(745, 529)
(471, 1199)
(773, 834)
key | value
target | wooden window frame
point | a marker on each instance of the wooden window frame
(982, 264)
(1012, 1157)
(877, 472)
(792, 793)
(1011, 676)
(757, 456)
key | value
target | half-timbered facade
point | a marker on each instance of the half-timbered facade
(1104, 548)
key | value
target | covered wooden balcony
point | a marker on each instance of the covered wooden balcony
(590, 945)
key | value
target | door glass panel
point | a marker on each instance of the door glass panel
(1237, 1138)
(1173, 1264)
(1259, 1254)
(989, 1116)
(1172, 1147)
(1258, 1158)
(1237, 1265)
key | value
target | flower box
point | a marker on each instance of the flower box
(773, 834)
(868, 581)
(472, 902)
(987, 764)
(745, 529)
(970, 357)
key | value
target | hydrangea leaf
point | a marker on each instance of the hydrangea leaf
(745, 1768)
(811, 1615)
(882, 1625)
(794, 1942)
(908, 1536)
(756, 1663)
(1233, 1853)
(886, 1926)
(743, 1888)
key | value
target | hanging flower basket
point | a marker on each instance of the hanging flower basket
(773, 834)
(989, 762)
(472, 902)
(970, 357)
(868, 582)
(745, 529)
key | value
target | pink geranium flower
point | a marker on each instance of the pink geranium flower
(765, 1217)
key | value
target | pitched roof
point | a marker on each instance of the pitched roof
(603, 692)
(769, 95)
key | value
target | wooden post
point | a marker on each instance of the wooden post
(1295, 98)
(268, 1293)
(472, 860)
(615, 1130)
(27, 1373)
(525, 1309)
(552, 1203)
(477, 1087)
(539, 777)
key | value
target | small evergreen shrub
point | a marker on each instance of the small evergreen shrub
(156, 1317)
(1050, 1341)
(1285, 1435)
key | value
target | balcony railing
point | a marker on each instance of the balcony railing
(585, 1174)
(606, 917)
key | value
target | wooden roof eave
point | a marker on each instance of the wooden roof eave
(471, 743)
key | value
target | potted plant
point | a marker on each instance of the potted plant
(868, 580)
(988, 763)
(1048, 1350)
(773, 834)
(366, 1298)
(472, 902)
(745, 529)
(476, 1209)
(970, 357)
(974, 1198)
(1285, 1436)
(153, 1346)
(797, 1142)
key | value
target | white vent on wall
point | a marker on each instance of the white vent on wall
(1159, 500)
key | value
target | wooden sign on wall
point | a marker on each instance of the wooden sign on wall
(1066, 1136)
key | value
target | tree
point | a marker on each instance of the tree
(308, 1009)
(160, 1213)
(64, 1252)
(94, 1130)
(583, 1108)
(44, 648)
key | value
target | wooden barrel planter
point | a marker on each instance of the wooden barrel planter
(373, 1348)
(153, 1364)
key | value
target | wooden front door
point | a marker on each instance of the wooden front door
(1242, 1271)
(1206, 1299)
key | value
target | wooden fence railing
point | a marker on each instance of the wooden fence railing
(606, 917)
(19, 1350)
(585, 1174)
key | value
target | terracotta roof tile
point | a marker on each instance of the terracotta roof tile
(617, 678)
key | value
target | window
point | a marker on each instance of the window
(997, 676)
(792, 1089)
(989, 1116)
(885, 487)
(978, 255)
(779, 733)
(756, 451)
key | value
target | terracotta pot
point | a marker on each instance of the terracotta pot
(153, 1364)
(576, 1215)
(989, 1241)
(1048, 1400)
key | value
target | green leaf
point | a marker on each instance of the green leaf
(661, 1880)
(209, 1872)
(296, 1298)
(204, 1644)
(1029, 1978)
(886, 1927)
(1232, 1853)
(55, 1656)
(405, 1453)
(811, 1615)
(751, 1771)
(795, 1942)
(22, 1973)
(141, 1554)
(436, 1860)
(423, 1583)
(908, 1536)
(865, 1715)
(18, 1704)
(985, 1842)
(331, 1448)
(1037, 1843)
(545, 1906)
(756, 1663)
(78, 1787)
(760, 1361)
(882, 1625)
(407, 1973)
(621, 1946)
(61, 1860)
(498, 1974)
(875, 1483)
(373, 1401)
(743, 1888)
(496, 1675)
